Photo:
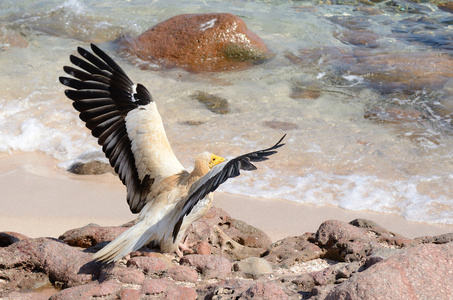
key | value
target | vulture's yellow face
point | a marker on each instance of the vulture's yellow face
(215, 160)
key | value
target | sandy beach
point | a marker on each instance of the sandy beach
(39, 199)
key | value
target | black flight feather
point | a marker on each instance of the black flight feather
(103, 94)
(230, 169)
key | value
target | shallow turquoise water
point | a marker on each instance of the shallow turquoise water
(356, 144)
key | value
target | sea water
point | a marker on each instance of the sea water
(334, 153)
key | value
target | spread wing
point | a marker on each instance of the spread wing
(124, 118)
(218, 175)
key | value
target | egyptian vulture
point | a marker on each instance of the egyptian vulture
(124, 118)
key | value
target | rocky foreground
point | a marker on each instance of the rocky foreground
(233, 260)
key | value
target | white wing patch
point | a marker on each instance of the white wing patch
(152, 151)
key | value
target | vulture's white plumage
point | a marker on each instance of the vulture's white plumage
(124, 118)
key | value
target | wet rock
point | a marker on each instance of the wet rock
(281, 125)
(359, 38)
(90, 235)
(91, 168)
(448, 6)
(414, 273)
(302, 92)
(8, 237)
(11, 39)
(403, 71)
(210, 266)
(253, 267)
(214, 103)
(288, 251)
(200, 42)
(328, 55)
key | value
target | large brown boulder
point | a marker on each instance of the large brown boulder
(199, 42)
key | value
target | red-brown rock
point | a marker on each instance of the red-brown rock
(210, 266)
(91, 235)
(7, 238)
(424, 272)
(290, 250)
(404, 71)
(53, 258)
(200, 42)
(264, 290)
(150, 265)
(182, 273)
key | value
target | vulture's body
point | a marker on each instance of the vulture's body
(124, 118)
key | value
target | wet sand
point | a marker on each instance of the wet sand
(39, 199)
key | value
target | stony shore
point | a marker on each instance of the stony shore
(233, 260)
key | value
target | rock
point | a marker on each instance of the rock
(181, 292)
(7, 238)
(91, 168)
(182, 273)
(440, 239)
(204, 248)
(448, 6)
(346, 242)
(214, 103)
(263, 290)
(58, 261)
(253, 267)
(90, 235)
(155, 286)
(423, 272)
(166, 289)
(210, 266)
(335, 272)
(88, 291)
(122, 274)
(200, 42)
(359, 38)
(130, 294)
(11, 39)
(288, 251)
(281, 125)
(151, 265)
(403, 71)
(245, 234)
(228, 289)
(212, 228)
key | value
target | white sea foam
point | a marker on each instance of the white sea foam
(332, 156)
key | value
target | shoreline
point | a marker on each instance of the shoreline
(39, 199)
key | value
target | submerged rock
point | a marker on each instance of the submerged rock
(200, 42)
